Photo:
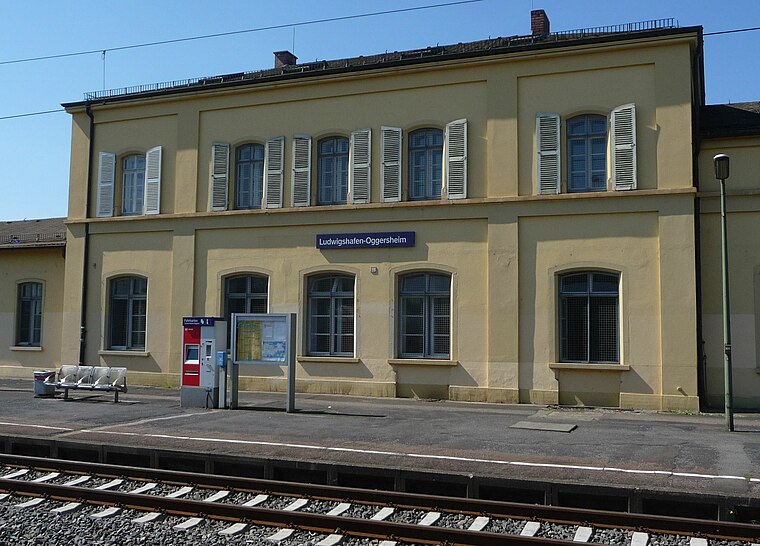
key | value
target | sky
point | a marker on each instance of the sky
(35, 149)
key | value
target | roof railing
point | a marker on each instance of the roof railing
(653, 24)
(27, 238)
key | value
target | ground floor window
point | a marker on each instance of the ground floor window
(589, 317)
(245, 294)
(127, 313)
(29, 314)
(331, 315)
(425, 316)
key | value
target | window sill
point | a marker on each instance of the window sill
(421, 362)
(25, 348)
(142, 354)
(329, 359)
(589, 367)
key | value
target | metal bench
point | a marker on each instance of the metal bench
(92, 378)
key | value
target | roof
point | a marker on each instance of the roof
(46, 232)
(481, 48)
(726, 120)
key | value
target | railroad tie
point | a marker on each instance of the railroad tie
(71, 506)
(282, 534)
(11, 476)
(113, 510)
(479, 524)
(698, 541)
(430, 518)
(530, 529)
(38, 500)
(237, 528)
(192, 522)
(640, 539)
(583, 534)
(156, 516)
(383, 513)
(335, 538)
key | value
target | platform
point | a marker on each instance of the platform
(606, 447)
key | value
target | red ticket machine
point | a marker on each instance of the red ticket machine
(202, 376)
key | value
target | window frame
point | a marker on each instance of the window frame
(429, 151)
(255, 187)
(131, 297)
(133, 172)
(35, 316)
(249, 295)
(587, 137)
(335, 315)
(588, 295)
(338, 183)
(428, 296)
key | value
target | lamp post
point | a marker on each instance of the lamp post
(721, 162)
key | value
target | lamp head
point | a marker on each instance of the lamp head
(721, 166)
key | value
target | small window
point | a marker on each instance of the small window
(133, 184)
(127, 313)
(249, 176)
(425, 316)
(332, 171)
(587, 153)
(331, 315)
(245, 294)
(425, 164)
(589, 317)
(29, 314)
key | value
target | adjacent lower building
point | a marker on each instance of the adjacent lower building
(520, 220)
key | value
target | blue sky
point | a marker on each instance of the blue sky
(35, 150)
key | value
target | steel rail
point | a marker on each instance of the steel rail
(495, 509)
(302, 521)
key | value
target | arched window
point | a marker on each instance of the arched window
(331, 315)
(425, 164)
(589, 317)
(245, 294)
(29, 314)
(587, 153)
(332, 171)
(127, 313)
(133, 184)
(425, 315)
(249, 176)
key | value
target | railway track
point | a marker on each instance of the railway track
(266, 511)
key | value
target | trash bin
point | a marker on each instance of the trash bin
(40, 387)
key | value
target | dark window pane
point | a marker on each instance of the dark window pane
(331, 312)
(587, 152)
(425, 315)
(119, 322)
(258, 305)
(574, 283)
(603, 334)
(604, 283)
(575, 321)
(237, 285)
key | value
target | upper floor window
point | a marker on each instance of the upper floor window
(332, 171)
(29, 314)
(245, 294)
(587, 153)
(589, 317)
(127, 313)
(331, 315)
(425, 164)
(249, 176)
(133, 184)
(425, 316)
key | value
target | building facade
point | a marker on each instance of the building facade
(512, 220)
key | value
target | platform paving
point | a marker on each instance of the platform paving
(655, 450)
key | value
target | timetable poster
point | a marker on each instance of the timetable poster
(249, 340)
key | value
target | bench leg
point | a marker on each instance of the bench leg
(65, 394)
(115, 397)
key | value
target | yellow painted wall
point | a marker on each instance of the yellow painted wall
(45, 265)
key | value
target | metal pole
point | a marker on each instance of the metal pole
(726, 312)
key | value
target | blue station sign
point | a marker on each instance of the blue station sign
(386, 239)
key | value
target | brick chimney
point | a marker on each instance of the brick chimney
(285, 58)
(539, 23)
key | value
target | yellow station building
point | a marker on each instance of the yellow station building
(530, 219)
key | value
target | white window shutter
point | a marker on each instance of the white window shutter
(390, 152)
(455, 159)
(547, 153)
(220, 176)
(106, 173)
(301, 194)
(274, 153)
(152, 201)
(623, 134)
(360, 170)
